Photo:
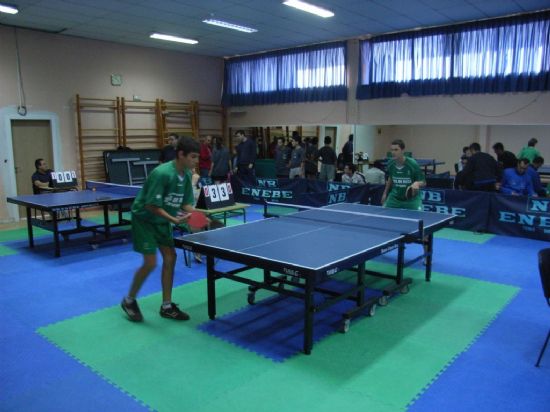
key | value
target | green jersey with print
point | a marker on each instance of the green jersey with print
(402, 177)
(164, 188)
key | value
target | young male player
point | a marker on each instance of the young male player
(405, 178)
(165, 197)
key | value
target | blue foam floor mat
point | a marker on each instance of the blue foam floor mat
(273, 327)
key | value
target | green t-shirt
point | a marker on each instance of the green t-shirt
(402, 177)
(528, 152)
(164, 188)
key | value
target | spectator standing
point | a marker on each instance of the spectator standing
(327, 157)
(168, 152)
(529, 152)
(481, 171)
(205, 157)
(282, 158)
(221, 161)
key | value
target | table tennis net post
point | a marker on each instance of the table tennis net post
(339, 217)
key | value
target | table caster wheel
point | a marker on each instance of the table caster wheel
(344, 327)
(383, 300)
(372, 310)
(94, 246)
(251, 298)
(405, 289)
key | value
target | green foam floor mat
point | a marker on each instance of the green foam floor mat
(463, 235)
(382, 364)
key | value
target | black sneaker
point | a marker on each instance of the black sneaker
(132, 310)
(173, 312)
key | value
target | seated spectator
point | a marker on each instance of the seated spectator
(375, 174)
(41, 178)
(505, 158)
(516, 181)
(460, 182)
(351, 175)
(481, 171)
(532, 171)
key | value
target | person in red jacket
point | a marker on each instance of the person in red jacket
(205, 156)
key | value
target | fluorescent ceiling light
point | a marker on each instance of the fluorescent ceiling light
(4, 8)
(172, 38)
(227, 25)
(310, 8)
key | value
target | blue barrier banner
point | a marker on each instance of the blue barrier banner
(256, 190)
(520, 216)
(471, 208)
(476, 211)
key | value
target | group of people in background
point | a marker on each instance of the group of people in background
(303, 158)
(509, 174)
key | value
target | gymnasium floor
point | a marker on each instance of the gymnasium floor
(466, 341)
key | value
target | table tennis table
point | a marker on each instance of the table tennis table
(306, 247)
(97, 194)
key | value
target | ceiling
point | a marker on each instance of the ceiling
(279, 26)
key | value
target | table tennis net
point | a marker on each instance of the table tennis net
(347, 218)
(113, 188)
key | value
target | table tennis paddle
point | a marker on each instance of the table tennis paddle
(411, 192)
(197, 220)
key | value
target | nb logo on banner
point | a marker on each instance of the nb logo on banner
(433, 196)
(535, 205)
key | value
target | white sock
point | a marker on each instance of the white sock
(166, 305)
(129, 300)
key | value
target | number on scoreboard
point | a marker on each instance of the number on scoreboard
(216, 196)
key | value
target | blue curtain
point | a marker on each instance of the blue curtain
(307, 74)
(496, 56)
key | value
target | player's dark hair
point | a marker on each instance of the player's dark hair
(465, 149)
(538, 159)
(532, 142)
(475, 146)
(523, 160)
(328, 140)
(37, 163)
(399, 143)
(498, 146)
(240, 132)
(188, 145)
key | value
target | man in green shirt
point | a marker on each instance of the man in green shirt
(402, 172)
(529, 152)
(165, 199)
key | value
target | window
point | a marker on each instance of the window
(313, 73)
(488, 57)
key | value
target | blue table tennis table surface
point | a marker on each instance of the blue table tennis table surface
(317, 239)
(51, 201)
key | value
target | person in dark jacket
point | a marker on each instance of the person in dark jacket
(246, 154)
(506, 159)
(481, 171)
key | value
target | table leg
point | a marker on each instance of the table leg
(29, 227)
(106, 222)
(361, 284)
(429, 253)
(308, 318)
(56, 234)
(211, 287)
(400, 262)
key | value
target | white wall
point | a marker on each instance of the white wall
(55, 68)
